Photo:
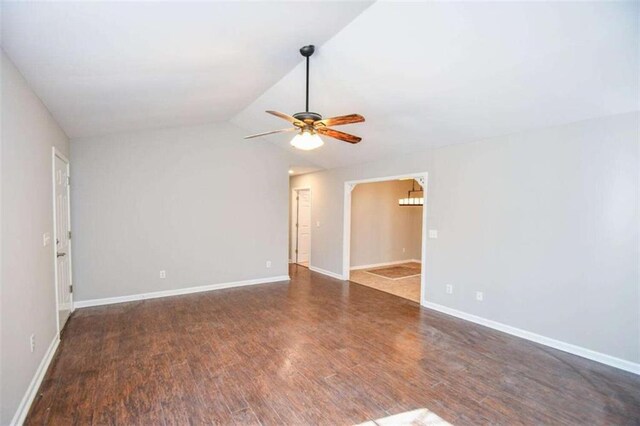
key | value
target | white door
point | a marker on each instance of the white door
(62, 239)
(304, 226)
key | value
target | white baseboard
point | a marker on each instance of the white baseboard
(177, 292)
(325, 272)
(32, 390)
(377, 265)
(612, 361)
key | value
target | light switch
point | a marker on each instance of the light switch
(46, 239)
(433, 233)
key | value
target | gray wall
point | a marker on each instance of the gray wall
(28, 296)
(544, 223)
(199, 202)
(380, 228)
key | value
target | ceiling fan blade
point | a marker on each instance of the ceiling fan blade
(272, 132)
(287, 117)
(339, 121)
(338, 135)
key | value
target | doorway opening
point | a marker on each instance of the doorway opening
(385, 234)
(301, 226)
(62, 239)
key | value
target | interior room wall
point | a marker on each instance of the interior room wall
(544, 223)
(381, 230)
(27, 306)
(200, 203)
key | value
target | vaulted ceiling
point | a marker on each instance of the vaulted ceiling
(424, 74)
(107, 67)
(428, 74)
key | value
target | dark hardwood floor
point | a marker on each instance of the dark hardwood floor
(313, 351)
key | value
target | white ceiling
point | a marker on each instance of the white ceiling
(424, 74)
(106, 67)
(431, 74)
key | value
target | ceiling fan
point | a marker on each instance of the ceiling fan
(310, 124)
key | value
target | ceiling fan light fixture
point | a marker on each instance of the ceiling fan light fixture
(307, 141)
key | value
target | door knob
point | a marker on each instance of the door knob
(60, 254)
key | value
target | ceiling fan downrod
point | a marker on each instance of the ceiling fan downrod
(307, 51)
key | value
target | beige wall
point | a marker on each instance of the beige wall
(545, 223)
(28, 296)
(381, 230)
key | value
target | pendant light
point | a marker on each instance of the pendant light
(412, 201)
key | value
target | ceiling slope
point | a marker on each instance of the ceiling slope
(108, 67)
(429, 74)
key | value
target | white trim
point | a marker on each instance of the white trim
(346, 230)
(53, 241)
(376, 265)
(60, 155)
(32, 390)
(612, 361)
(422, 177)
(177, 292)
(325, 272)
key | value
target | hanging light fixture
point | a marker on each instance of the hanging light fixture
(306, 140)
(412, 200)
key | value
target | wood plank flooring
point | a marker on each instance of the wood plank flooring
(313, 351)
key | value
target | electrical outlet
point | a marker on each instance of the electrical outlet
(449, 289)
(163, 274)
(32, 342)
(268, 264)
(433, 233)
(479, 296)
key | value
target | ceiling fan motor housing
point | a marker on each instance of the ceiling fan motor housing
(307, 117)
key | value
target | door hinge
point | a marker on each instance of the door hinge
(70, 289)
(296, 250)
(297, 198)
(69, 234)
(296, 225)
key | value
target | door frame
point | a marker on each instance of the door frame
(56, 153)
(294, 218)
(422, 178)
